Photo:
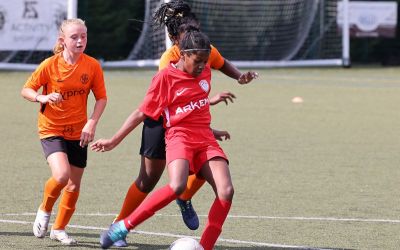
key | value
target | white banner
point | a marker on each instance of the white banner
(370, 19)
(30, 24)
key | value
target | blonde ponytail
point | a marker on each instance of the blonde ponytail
(58, 48)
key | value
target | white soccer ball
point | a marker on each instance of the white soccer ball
(186, 244)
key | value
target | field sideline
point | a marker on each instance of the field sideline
(322, 174)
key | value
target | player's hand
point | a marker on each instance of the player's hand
(221, 135)
(102, 145)
(247, 77)
(222, 97)
(86, 138)
(88, 133)
(52, 98)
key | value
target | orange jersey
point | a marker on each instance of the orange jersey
(216, 61)
(74, 83)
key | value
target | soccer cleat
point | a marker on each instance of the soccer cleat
(189, 216)
(116, 232)
(41, 223)
(121, 243)
(62, 236)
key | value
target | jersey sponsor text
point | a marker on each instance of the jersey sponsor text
(192, 106)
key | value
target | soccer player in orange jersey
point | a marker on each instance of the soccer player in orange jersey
(65, 131)
(180, 93)
(178, 18)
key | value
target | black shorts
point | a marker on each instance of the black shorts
(153, 139)
(77, 155)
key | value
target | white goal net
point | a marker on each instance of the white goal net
(258, 32)
(250, 33)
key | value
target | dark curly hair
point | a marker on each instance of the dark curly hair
(174, 14)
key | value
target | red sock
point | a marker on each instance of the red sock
(157, 200)
(216, 217)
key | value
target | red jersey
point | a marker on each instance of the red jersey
(181, 98)
(183, 101)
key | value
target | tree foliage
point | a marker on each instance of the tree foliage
(111, 32)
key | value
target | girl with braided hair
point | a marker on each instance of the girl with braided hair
(177, 17)
(180, 93)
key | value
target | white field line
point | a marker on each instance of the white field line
(232, 241)
(298, 218)
(324, 78)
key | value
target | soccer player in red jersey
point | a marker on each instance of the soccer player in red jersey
(180, 94)
(176, 15)
(66, 80)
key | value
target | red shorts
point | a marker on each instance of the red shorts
(196, 148)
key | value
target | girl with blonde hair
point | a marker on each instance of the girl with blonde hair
(65, 80)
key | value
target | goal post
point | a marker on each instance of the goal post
(259, 33)
(249, 33)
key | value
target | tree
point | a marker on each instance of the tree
(111, 34)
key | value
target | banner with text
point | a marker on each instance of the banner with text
(30, 24)
(370, 19)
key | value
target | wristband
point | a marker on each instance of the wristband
(36, 100)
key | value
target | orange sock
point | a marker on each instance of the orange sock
(134, 197)
(193, 185)
(66, 209)
(52, 190)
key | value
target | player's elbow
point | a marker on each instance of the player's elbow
(24, 93)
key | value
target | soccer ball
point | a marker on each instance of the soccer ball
(186, 244)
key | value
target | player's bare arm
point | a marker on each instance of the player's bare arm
(243, 78)
(89, 130)
(33, 96)
(133, 120)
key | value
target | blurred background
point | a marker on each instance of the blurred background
(112, 35)
(243, 30)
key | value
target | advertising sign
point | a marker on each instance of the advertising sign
(30, 24)
(370, 19)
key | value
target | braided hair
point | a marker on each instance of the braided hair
(188, 24)
(172, 15)
(194, 41)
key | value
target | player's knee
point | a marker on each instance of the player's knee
(178, 187)
(147, 184)
(226, 193)
(62, 179)
(73, 187)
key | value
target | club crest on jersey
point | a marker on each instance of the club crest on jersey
(84, 78)
(204, 85)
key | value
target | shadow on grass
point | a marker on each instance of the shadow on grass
(93, 243)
